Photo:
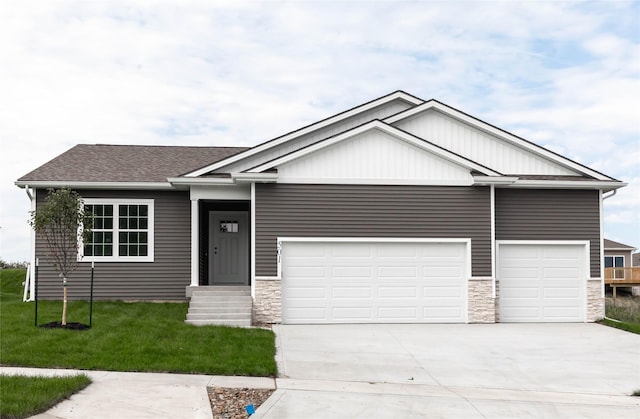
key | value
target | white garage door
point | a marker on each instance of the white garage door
(541, 283)
(364, 282)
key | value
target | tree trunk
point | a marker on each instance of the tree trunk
(64, 300)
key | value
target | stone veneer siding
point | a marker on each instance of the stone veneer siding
(267, 304)
(480, 302)
(595, 300)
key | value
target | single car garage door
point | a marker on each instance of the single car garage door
(541, 283)
(373, 282)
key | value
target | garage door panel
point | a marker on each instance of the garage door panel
(351, 272)
(396, 272)
(342, 251)
(443, 292)
(351, 293)
(352, 314)
(401, 287)
(387, 314)
(541, 283)
(396, 252)
(307, 292)
(397, 292)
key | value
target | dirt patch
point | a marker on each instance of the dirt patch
(68, 326)
(231, 403)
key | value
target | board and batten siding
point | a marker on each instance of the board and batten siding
(163, 279)
(398, 211)
(550, 214)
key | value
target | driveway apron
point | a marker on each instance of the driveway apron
(460, 370)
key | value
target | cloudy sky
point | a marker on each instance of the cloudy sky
(565, 75)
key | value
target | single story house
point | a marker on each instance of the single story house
(399, 210)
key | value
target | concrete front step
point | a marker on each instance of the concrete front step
(220, 299)
(221, 310)
(224, 305)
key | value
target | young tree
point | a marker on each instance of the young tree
(63, 223)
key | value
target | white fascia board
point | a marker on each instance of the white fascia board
(388, 129)
(200, 181)
(303, 131)
(620, 249)
(94, 185)
(493, 180)
(565, 184)
(254, 177)
(556, 158)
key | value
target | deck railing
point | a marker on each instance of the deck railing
(622, 276)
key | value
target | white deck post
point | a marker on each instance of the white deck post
(195, 244)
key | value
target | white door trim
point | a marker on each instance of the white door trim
(586, 266)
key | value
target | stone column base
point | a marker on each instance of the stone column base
(267, 304)
(481, 304)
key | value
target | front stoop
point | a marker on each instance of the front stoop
(220, 305)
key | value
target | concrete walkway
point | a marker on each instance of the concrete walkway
(139, 395)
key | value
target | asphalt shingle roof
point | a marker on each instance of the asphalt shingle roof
(610, 244)
(127, 163)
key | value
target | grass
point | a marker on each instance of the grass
(23, 396)
(624, 314)
(146, 337)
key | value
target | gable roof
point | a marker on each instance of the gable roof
(613, 245)
(398, 95)
(100, 163)
(497, 132)
(388, 129)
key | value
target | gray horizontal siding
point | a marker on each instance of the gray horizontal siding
(371, 211)
(550, 214)
(163, 279)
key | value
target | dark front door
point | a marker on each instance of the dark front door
(228, 248)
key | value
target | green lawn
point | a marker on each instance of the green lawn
(149, 337)
(23, 397)
(626, 312)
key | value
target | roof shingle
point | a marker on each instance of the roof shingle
(127, 163)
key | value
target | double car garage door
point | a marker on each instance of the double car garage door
(424, 282)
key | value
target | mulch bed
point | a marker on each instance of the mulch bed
(68, 326)
(231, 403)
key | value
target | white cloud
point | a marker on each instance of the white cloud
(564, 75)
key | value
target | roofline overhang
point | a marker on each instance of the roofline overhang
(306, 130)
(182, 181)
(42, 184)
(497, 132)
(254, 177)
(619, 249)
(564, 184)
(493, 180)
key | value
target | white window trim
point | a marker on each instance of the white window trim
(624, 261)
(116, 238)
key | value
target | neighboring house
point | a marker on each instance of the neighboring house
(399, 210)
(619, 255)
(635, 259)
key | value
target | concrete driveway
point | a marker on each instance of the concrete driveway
(462, 370)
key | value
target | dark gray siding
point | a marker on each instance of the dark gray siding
(163, 279)
(550, 214)
(372, 211)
